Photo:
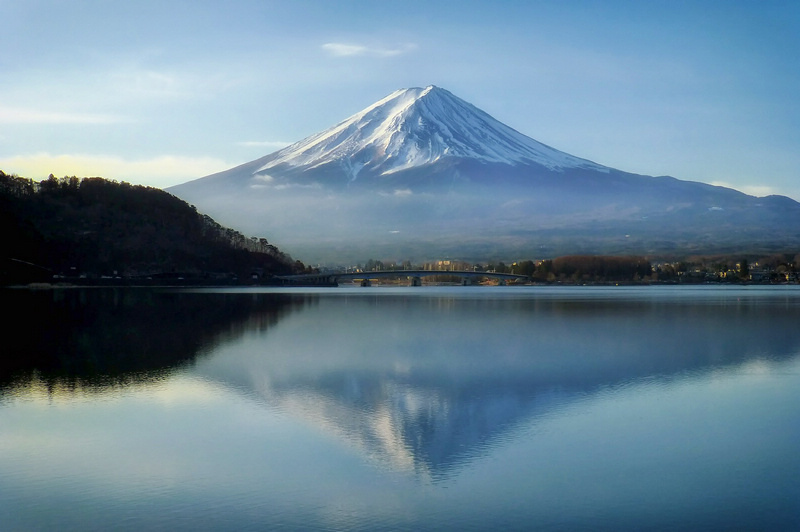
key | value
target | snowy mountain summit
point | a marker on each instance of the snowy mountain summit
(413, 138)
(415, 127)
(422, 174)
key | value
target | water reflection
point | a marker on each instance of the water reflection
(82, 340)
(482, 409)
(426, 384)
(419, 381)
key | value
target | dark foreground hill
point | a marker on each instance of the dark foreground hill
(93, 228)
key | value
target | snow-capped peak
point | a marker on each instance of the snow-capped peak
(417, 126)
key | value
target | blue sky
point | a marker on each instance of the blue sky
(159, 93)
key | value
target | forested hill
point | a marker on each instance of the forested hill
(93, 228)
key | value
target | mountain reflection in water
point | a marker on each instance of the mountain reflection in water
(417, 380)
(426, 383)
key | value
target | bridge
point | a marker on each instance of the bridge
(414, 277)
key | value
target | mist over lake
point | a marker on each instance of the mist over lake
(425, 408)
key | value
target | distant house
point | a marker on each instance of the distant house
(759, 275)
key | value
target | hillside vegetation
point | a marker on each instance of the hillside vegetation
(94, 228)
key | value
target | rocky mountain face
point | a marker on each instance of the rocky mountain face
(423, 174)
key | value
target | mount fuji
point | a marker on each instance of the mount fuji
(423, 174)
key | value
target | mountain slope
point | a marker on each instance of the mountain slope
(422, 173)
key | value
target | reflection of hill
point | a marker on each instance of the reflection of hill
(100, 337)
(425, 384)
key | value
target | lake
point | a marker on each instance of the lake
(401, 408)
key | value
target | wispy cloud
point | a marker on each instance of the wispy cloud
(151, 83)
(286, 186)
(263, 178)
(162, 171)
(274, 144)
(19, 115)
(339, 49)
(397, 193)
(753, 190)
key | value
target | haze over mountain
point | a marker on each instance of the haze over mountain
(424, 174)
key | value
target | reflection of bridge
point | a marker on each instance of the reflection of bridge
(414, 277)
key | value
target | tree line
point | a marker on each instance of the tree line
(775, 268)
(577, 268)
(90, 227)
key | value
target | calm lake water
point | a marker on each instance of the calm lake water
(458, 408)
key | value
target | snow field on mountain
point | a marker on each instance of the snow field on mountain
(414, 127)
